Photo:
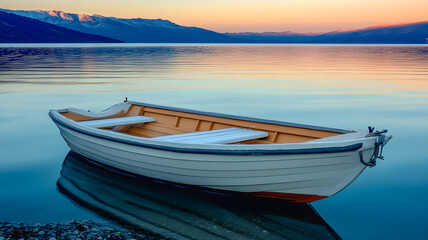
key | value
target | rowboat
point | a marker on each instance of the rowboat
(222, 153)
(142, 204)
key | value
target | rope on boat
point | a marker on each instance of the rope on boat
(377, 153)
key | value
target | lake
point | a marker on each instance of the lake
(339, 86)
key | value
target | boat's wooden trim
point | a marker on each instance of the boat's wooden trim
(348, 148)
(250, 119)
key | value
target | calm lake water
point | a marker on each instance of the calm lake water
(342, 86)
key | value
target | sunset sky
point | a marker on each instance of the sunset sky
(247, 15)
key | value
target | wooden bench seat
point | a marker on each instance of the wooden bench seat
(221, 136)
(112, 122)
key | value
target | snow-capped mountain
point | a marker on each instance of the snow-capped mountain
(128, 30)
(18, 29)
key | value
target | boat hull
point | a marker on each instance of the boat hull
(299, 177)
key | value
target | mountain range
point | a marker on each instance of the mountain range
(388, 34)
(140, 30)
(135, 30)
(17, 29)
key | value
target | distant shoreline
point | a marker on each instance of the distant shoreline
(5, 45)
(202, 43)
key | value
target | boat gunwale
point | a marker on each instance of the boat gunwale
(255, 152)
(236, 117)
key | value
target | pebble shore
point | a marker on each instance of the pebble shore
(78, 230)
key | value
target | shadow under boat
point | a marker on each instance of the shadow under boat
(183, 212)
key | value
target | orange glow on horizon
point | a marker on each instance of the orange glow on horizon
(248, 15)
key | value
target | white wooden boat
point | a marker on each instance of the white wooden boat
(222, 153)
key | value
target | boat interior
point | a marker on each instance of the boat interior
(180, 126)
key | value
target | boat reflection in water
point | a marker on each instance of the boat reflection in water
(180, 212)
